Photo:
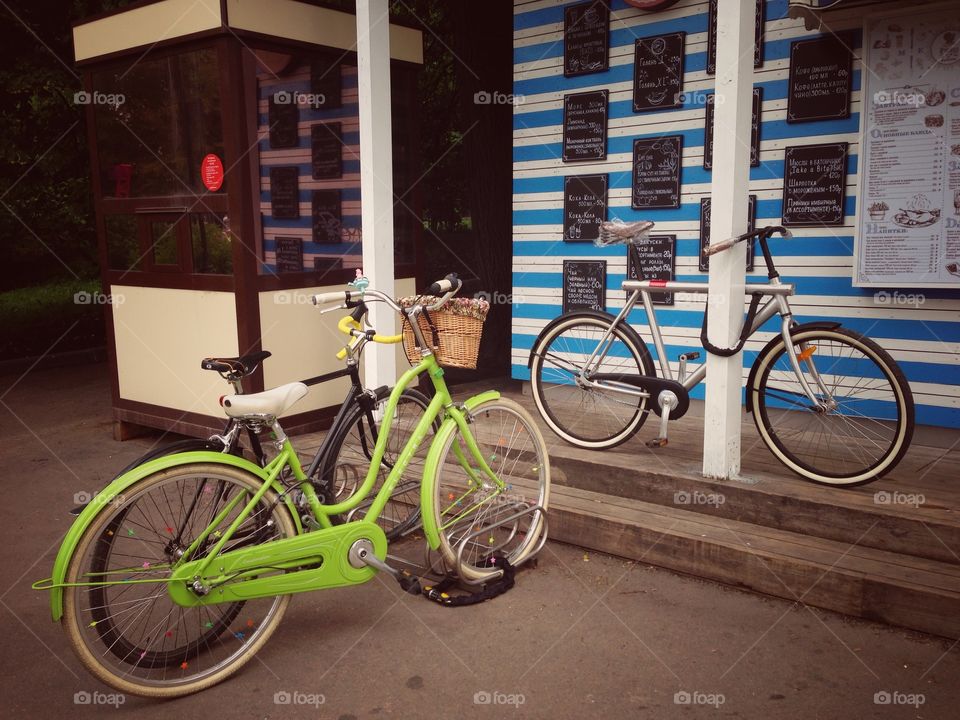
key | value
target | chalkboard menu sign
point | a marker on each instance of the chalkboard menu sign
(326, 143)
(656, 172)
(704, 264)
(325, 263)
(759, 19)
(754, 131)
(821, 78)
(585, 126)
(326, 216)
(814, 184)
(584, 207)
(584, 285)
(325, 83)
(658, 72)
(285, 192)
(586, 38)
(289, 254)
(283, 116)
(654, 259)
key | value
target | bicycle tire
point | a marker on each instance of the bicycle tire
(871, 427)
(588, 417)
(350, 453)
(515, 450)
(206, 661)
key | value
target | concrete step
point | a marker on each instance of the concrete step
(905, 590)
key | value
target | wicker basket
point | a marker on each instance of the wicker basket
(455, 331)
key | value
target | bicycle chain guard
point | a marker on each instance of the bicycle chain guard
(654, 386)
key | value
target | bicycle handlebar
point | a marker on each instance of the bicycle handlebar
(762, 233)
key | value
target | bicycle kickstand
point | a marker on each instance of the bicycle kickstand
(668, 401)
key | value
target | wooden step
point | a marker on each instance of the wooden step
(905, 590)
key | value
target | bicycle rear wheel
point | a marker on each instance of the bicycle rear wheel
(467, 502)
(597, 416)
(131, 634)
(869, 423)
(350, 455)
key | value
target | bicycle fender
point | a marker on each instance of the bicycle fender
(777, 340)
(432, 463)
(605, 316)
(104, 498)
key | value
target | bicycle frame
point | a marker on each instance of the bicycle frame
(777, 304)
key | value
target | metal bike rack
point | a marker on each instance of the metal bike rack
(462, 544)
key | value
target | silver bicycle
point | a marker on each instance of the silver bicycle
(829, 403)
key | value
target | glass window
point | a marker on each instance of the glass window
(123, 246)
(210, 240)
(163, 242)
(155, 121)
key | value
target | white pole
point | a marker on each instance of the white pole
(376, 178)
(728, 200)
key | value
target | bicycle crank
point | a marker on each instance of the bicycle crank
(657, 388)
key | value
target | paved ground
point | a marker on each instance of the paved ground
(580, 636)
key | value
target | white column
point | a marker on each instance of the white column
(376, 178)
(728, 200)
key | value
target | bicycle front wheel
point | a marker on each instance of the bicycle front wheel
(584, 405)
(123, 624)
(863, 422)
(351, 452)
(469, 506)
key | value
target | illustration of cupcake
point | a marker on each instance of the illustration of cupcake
(878, 210)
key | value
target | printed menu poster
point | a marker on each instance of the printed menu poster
(910, 202)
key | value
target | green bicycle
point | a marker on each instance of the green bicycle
(180, 570)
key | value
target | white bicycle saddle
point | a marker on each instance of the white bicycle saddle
(269, 402)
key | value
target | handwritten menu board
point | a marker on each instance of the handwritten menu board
(658, 72)
(814, 184)
(760, 18)
(705, 204)
(585, 126)
(289, 254)
(909, 215)
(285, 192)
(656, 172)
(325, 83)
(283, 116)
(586, 38)
(584, 207)
(821, 78)
(325, 263)
(754, 131)
(584, 285)
(326, 144)
(326, 216)
(654, 259)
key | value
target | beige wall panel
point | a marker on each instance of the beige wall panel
(144, 26)
(161, 337)
(304, 343)
(308, 23)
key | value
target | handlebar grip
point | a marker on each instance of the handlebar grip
(450, 282)
(714, 248)
(331, 297)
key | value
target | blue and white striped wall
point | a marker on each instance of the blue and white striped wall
(300, 156)
(923, 338)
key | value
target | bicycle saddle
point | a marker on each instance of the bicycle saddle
(269, 402)
(237, 366)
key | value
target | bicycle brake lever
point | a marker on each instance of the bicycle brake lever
(333, 309)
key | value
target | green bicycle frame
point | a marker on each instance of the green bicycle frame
(302, 549)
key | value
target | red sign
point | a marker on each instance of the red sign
(211, 172)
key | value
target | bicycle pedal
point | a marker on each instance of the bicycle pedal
(409, 583)
(657, 442)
